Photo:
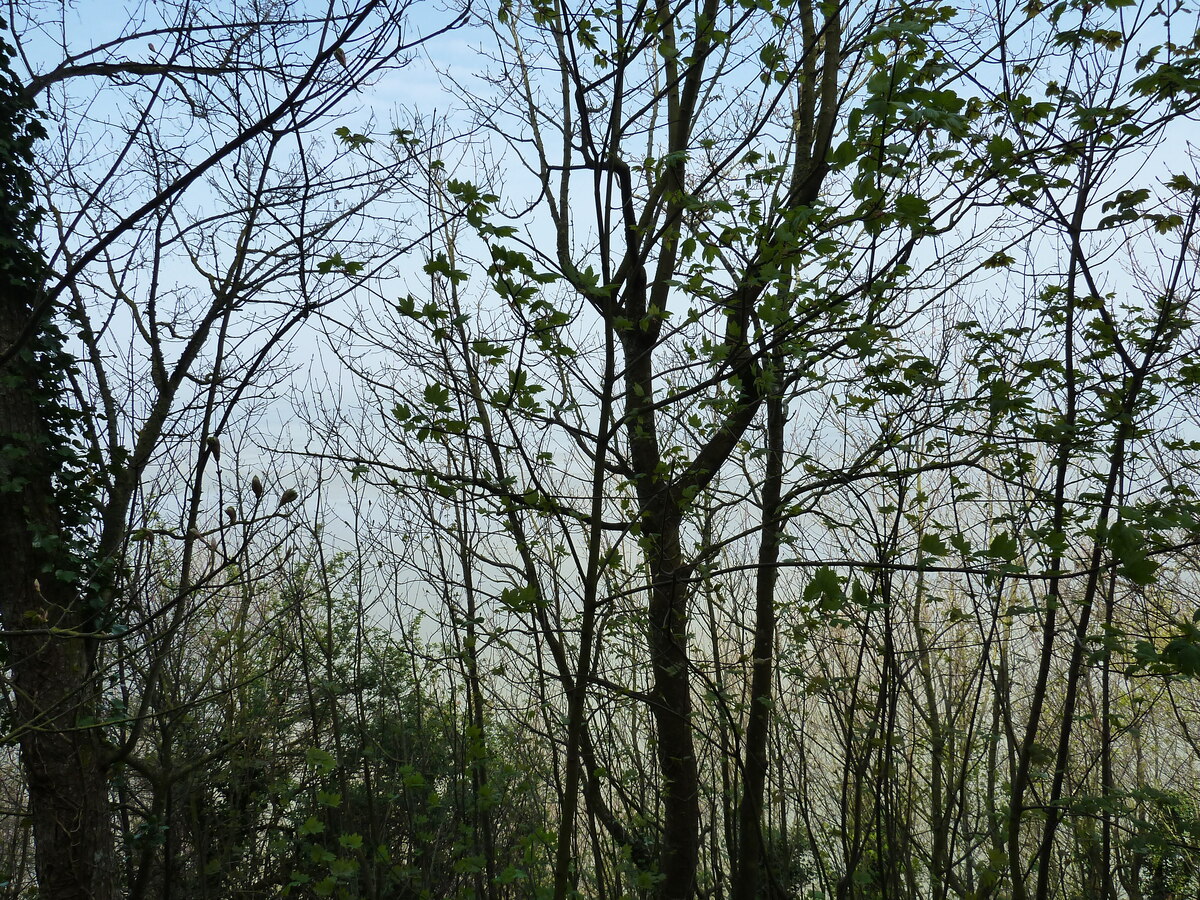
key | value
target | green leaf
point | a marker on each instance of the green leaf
(411, 777)
(1129, 552)
(1182, 653)
(437, 395)
(343, 868)
(1181, 183)
(999, 260)
(1165, 223)
(352, 139)
(312, 825)
(323, 760)
(911, 208)
(440, 265)
(493, 353)
(511, 874)
(523, 599)
(932, 545)
(1003, 546)
(825, 591)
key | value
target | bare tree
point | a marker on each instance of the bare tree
(199, 208)
(732, 351)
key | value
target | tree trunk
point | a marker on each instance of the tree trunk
(660, 520)
(55, 697)
(673, 716)
(751, 844)
(42, 607)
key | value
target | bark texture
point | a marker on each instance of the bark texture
(45, 619)
(43, 603)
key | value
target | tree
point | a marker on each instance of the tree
(207, 160)
(717, 276)
(786, 483)
(47, 599)
(708, 353)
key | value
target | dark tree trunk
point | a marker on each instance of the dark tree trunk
(752, 847)
(43, 609)
(673, 715)
(660, 519)
(44, 616)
